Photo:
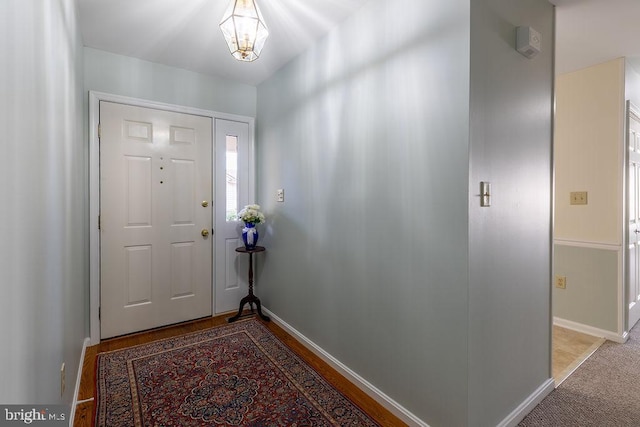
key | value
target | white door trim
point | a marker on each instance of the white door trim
(94, 184)
(631, 111)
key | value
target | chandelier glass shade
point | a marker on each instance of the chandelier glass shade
(244, 30)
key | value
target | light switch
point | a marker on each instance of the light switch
(280, 195)
(485, 194)
(578, 198)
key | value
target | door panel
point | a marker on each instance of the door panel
(138, 275)
(155, 171)
(138, 181)
(232, 194)
(633, 197)
(182, 262)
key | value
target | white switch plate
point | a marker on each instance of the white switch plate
(280, 195)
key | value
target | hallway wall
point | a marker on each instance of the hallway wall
(588, 155)
(367, 256)
(380, 253)
(133, 77)
(43, 218)
(509, 242)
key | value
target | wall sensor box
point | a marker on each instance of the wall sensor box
(528, 41)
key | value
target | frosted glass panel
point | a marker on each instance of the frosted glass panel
(232, 178)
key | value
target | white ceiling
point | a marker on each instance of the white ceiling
(185, 33)
(589, 32)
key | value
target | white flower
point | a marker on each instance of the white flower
(251, 215)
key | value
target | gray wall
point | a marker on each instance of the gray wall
(367, 132)
(595, 301)
(123, 75)
(43, 218)
(380, 253)
(509, 243)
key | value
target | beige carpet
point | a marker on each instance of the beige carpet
(603, 391)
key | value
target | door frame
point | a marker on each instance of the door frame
(630, 109)
(94, 185)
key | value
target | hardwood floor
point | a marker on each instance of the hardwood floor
(87, 392)
(570, 349)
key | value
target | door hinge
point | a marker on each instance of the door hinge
(99, 313)
(99, 131)
(98, 222)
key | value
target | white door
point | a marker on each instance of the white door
(633, 259)
(233, 185)
(155, 212)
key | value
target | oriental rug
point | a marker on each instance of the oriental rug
(234, 375)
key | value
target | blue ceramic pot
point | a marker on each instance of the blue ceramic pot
(250, 235)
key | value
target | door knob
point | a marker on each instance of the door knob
(205, 203)
(204, 232)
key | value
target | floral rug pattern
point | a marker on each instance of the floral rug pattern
(235, 375)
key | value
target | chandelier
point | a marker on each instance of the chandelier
(244, 30)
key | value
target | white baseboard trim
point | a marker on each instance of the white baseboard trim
(76, 390)
(590, 330)
(376, 394)
(531, 402)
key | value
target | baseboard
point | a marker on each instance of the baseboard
(527, 406)
(376, 394)
(76, 390)
(590, 330)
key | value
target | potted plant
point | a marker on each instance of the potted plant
(251, 216)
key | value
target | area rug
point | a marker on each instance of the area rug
(235, 375)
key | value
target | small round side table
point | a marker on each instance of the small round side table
(251, 298)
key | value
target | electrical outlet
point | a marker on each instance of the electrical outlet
(62, 379)
(578, 198)
(280, 195)
(561, 282)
